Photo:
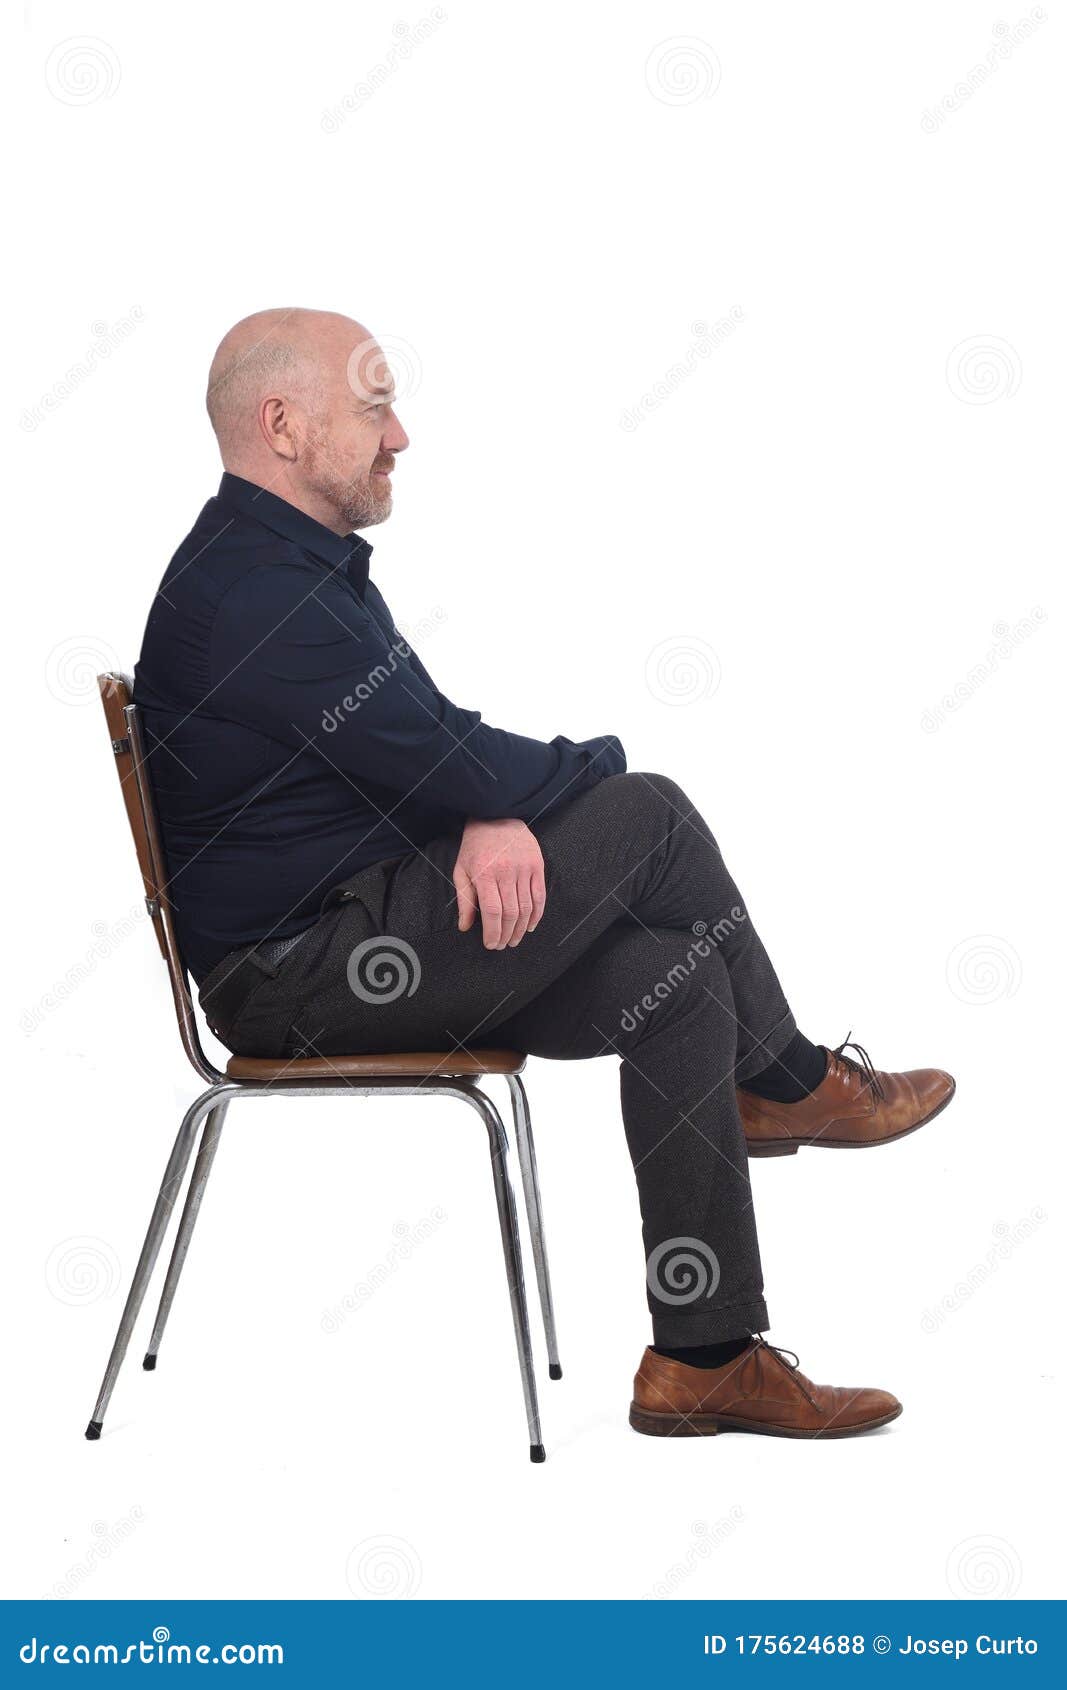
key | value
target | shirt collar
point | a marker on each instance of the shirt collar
(282, 518)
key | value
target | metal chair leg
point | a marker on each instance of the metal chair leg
(213, 1102)
(157, 1226)
(509, 1234)
(532, 1192)
(205, 1156)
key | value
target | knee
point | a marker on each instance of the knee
(679, 979)
(649, 791)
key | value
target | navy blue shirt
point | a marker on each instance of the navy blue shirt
(293, 737)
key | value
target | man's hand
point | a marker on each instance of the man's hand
(501, 872)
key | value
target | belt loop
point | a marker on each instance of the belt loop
(262, 964)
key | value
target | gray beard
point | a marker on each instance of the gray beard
(356, 502)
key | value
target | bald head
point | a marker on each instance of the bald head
(287, 352)
(302, 403)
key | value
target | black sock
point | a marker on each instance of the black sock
(791, 1076)
(707, 1355)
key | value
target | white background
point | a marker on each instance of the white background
(821, 524)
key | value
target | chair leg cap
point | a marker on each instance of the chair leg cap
(555, 1371)
(93, 1430)
(149, 1363)
(537, 1452)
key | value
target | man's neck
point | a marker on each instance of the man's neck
(280, 483)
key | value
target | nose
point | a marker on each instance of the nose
(395, 438)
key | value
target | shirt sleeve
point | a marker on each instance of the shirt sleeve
(296, 656)
(383, 615)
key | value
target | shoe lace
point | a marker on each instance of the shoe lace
(789, 1359)
(864, 1067)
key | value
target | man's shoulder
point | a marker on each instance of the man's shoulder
(222, 549)
(231, 579)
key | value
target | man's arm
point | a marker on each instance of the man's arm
(299, 658)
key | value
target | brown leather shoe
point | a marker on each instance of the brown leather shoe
(854, 1105)
(762, 1390)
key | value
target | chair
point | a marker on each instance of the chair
(442, 1074)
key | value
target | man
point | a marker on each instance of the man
(357, 864)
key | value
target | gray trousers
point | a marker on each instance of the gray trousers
(645, 952)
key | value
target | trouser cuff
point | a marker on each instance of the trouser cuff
(685, 1328)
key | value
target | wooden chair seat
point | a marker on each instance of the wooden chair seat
(263, 1069)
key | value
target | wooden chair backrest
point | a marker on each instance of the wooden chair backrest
(127, 745)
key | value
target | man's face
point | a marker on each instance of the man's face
(354, 436)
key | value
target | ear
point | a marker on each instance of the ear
(276, 425)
